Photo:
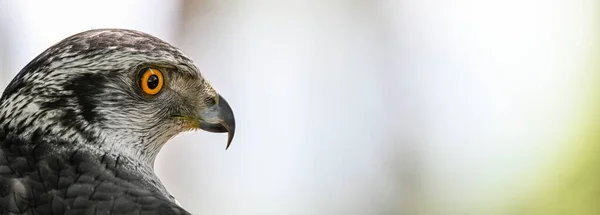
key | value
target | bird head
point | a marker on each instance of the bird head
(124, 90)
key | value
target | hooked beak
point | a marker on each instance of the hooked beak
(219, 119)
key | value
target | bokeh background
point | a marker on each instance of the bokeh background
(369, 106)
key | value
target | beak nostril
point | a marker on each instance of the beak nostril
(210, 101)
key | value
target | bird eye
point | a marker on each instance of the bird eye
(152, 81)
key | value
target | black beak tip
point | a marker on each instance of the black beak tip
(229, 140)
(228, 120)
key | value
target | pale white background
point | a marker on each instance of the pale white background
(356, 106)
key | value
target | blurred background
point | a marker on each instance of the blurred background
(368, 106)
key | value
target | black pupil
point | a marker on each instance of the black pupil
(152, 82)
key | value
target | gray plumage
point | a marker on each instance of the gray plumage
(78, 135)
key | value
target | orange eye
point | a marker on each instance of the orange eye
(152, 81)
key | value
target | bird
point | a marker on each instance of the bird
(82, 123)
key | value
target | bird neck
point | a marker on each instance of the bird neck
(37, 126)
(133, 144)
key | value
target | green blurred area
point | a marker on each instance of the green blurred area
(571, 185)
